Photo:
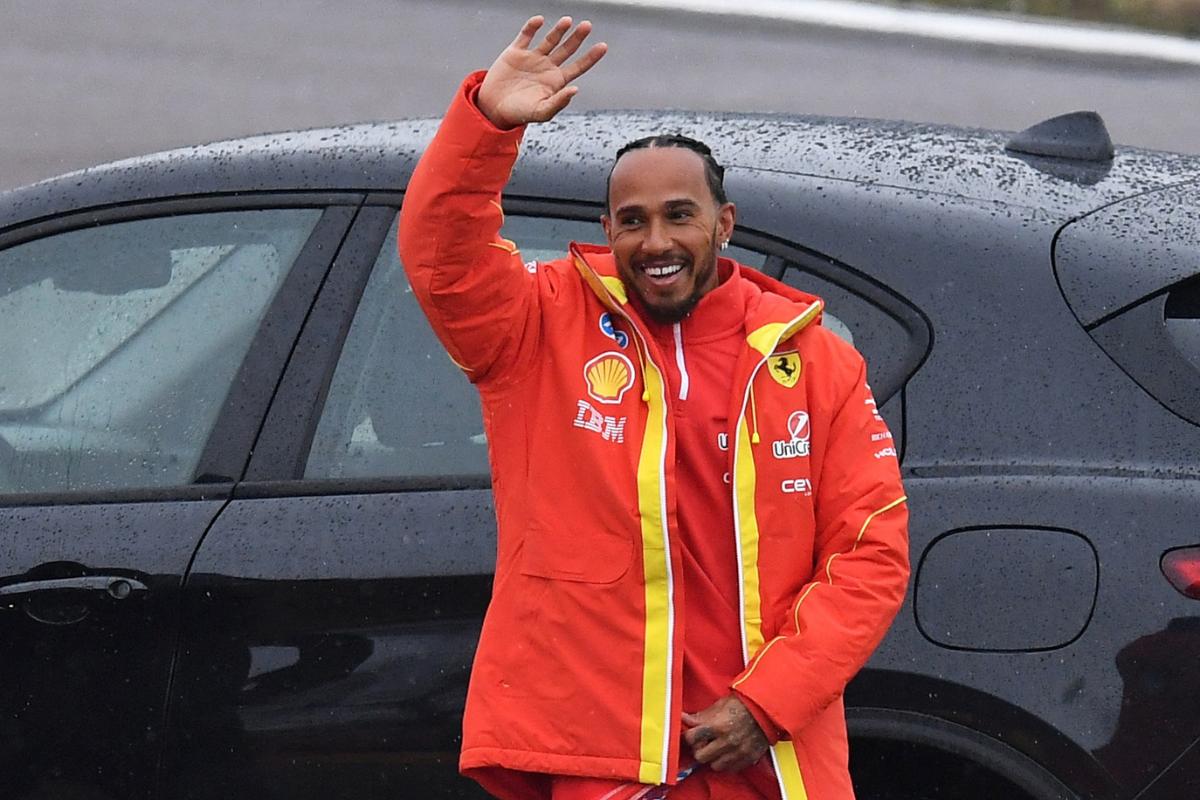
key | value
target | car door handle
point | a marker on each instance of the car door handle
(115, 586)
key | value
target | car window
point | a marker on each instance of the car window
(397, 405)
(881, 339)
(121, 342)
(1157, 344)
(1181, 319)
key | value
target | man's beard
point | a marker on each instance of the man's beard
(677, 312)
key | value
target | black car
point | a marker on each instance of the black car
(247, 528)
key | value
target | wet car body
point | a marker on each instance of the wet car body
(248, 531)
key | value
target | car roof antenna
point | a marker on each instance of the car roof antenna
(1080, 136)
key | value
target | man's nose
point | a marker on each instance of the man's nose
(657, 240)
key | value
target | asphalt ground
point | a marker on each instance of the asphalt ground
(82, 82)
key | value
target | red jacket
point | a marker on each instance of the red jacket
(578, 666)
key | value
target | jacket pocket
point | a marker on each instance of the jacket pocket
(566, 554)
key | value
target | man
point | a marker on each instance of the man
(702, 531)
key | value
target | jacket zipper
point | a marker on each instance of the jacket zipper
(791, 329)
(679, 361)
(737, 516)
(662, 465)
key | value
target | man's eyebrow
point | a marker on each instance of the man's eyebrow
(681, 202)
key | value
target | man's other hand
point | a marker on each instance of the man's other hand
(725, 735)
(533, 84)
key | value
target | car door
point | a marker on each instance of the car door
(135, 373)
(332, 611)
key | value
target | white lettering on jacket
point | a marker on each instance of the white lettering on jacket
(611, 429)
(797, 486)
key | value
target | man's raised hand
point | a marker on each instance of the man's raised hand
(533, 84)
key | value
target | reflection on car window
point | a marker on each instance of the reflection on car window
(398, 407)
(877, 335)
(121, 343)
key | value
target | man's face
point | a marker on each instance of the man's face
(665, 229)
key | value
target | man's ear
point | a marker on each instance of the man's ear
(726, 219)
(606, 222)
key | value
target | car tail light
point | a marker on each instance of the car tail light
(1182, 568)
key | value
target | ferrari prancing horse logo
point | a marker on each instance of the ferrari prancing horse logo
(785, 368)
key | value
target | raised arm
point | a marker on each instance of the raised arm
(471, 283)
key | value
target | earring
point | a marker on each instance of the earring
(725, 245)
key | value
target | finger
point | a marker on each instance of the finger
(691, 720)
(699, 736)
(584, 62)
(730, 762)
(531, 27)
(571, 43)
(555, 103)
(711, 751)
(554, 36)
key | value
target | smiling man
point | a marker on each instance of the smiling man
(701, 527)
(671, 218)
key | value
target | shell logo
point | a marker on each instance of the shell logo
(608, 375)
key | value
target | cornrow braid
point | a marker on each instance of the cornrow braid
(714, 173)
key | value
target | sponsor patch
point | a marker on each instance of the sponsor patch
(610, 330)
(785, 368)
(611, 429)
(608, 376)
(531, 267)
(879, 437)
(797, 486)
(887, 452)
(799, 430)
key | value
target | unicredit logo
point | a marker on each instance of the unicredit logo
(797, 445)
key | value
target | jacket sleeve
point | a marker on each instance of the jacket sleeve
(860, 570)
(471, 283)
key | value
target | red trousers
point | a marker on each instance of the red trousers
(754, 783)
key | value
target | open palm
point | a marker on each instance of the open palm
(532, 84)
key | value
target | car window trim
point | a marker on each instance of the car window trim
(886, 379)
(278, 451)
(226, 453)
(145, 494)
(315, 487)
(37, 228)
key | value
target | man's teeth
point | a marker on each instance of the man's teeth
(663, 272)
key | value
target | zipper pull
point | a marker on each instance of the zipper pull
(754, 438)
